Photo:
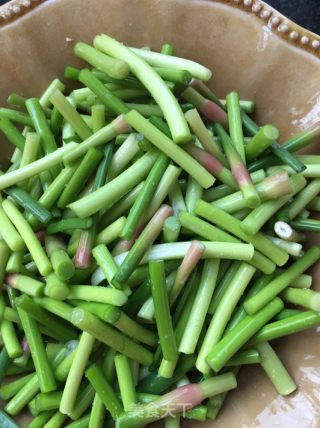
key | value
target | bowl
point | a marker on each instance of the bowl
(251, 48)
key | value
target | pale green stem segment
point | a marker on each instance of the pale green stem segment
(273, 187)
(110, 193)
(104, 390)
(103, 136)
(235, 123)
(75, 375)
(9, 232)
(56, 84)
(30, 153)
(167, 181)
(141, 245)
(301, 201)
(188, 264)
(283, 280)
(111, 232)
(42, 365)
(236, 338)
(176, 153)
(309, 299)
(116, 69)
(257, 218)
(276, 371)
(233, 225)
(200, 306)
(222, 190)
(261, 141)
(176, 198)
(37, 252)
(97, 415)
(177, 250)
(36, 167)
(70, 114)
(213, 233)
(171, 229)
(125, 381)
(111, 337)
(162, 310)
(202, 133)
(193, 195)
(223, 313)
(153, 82)
(124, 155)
(144, 197)
(168, 61)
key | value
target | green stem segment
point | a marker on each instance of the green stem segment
(144, 196)
(70, 114)
(61, 262)
(103, 136)
(211, 164)
(273, 187)
(171, 229)
(306, 225)
(169, 61)
(108, 98)
(31, 205)
(78, 366)
(192, 394)
(38, 254)
(97, 415)
(255, 220)
(235, 339)
(79, 178)
(104, 390)
(235, 124)
(261, 141)
(223, 313)
(125, 381)
(206, 140)
(162, 310)
(233, 225)
(306, 195)
(238, 168)
(9, 233)
(12, 133)
(151, 80)
(188, 264)
(115, 68)
(60, 330)
(200, 307)
(208, 108)
(282, 281)
(141, 245)
(286, 326)
(110, 193)
(36, 167)
(42, 365)
(42, 127)
(276, 371)
(176, 153)
(309, 299)
(106, 334)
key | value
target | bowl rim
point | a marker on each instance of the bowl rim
(278, 23)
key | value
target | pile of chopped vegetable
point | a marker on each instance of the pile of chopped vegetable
(151, 244)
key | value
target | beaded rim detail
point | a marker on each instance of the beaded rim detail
(15, 8)
(278, 23)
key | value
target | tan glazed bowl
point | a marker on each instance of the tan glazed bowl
(250, 48)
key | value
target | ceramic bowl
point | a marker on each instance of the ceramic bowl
(249, 47)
